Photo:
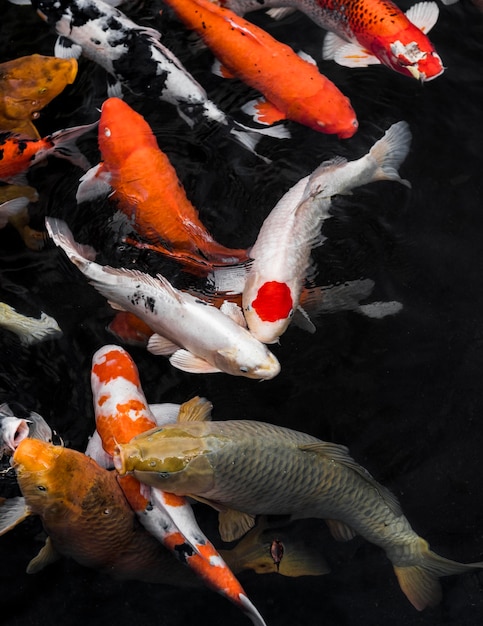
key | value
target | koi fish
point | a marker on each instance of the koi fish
(30, 330)
(142, 182)
(17, 423)
(135, 59)
(129, 329)
(27, 85)
(199, 337)
(121, 412)
(367, 32)
(281, 253)
(17, 154)
(235, 466)
(14, 200)
(87, 518)
(293, 87)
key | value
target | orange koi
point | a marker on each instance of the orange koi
(122, 412)
(147, 190)
(293, 87)
(27, 85)
(18, 154)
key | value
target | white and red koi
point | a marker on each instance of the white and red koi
(281, 253)
(122, 412)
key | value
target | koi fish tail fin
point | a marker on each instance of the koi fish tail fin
(64, 144)
(61, 234)
(294, 556)
(249, 137)
(420, 583)
(390, 151)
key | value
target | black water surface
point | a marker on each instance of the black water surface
(403, 393)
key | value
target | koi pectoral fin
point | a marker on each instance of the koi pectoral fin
(65, 48)
(12, 512)
(347, 54)
(234, 524)
(47, 555)
(263, 112)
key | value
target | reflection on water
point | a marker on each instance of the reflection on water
(403, 393)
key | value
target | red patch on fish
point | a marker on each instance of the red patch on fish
(115, 365)
(273, 302)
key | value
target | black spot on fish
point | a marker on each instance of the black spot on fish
(201, 301)
(83, 15)
(183, 551)
(1, 153)
(149, 304)
(21, 147)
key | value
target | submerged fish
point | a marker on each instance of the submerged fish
(30, 330)
(87, 518)
(19, 154)
(27, 85)
(364, 32)
(293, 87)
(281, 253)
(247, 468)
(14, 201)
(199, 337)
(17, 423)
(122, 412)
(140, 179)
(137, 60)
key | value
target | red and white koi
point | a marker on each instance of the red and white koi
(122, 412)
(199, 337)
(366, 32)
(282, 250)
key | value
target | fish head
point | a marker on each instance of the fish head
(250, 359)
(416, 58)
(31, 82)
(52, 11)
(328, 111)
(122, 131)
(172, 458)
(268, 307)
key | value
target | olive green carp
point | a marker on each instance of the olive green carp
(246, 468)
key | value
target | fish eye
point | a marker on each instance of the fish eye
(244, 369)
(107, 131)
(107, 511)
(41, 488)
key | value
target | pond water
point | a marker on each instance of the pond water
(403, 393)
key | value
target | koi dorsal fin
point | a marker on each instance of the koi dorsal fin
(195, 410)
(341, 455)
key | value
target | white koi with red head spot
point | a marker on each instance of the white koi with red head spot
(122, 412)
(282, 250)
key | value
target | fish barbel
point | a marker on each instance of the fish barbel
(247, 468)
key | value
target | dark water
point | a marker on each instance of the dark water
(403, 393)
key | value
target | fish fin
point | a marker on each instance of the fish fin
(12, 512)
(116, 306)
(95, 183)
(306, 57)
(47, 555)
(347, 54)
(340, 454)
(188, 362)
(253, 552)
(229, 279)
(195, 410)
(342, 297)
(165, 412)
(114, 87)
(339, 530)
(378, 310)
(263, 112)
(278, 13)
(47, 329)
(159, 345)
(10, 208)
(234, 524)
(234, 312)
(390, 151)
(302, 320)
(62, 237)
(64, 144)
(65, 48)
(420, 582)
(423, 15)
(220, 70)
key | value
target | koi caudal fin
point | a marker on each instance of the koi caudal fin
(420, 582)
(390, 151)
